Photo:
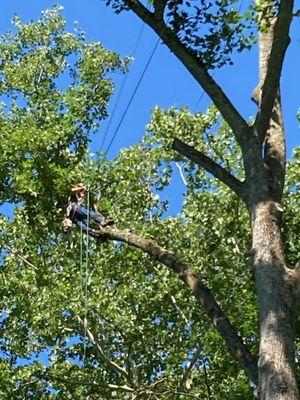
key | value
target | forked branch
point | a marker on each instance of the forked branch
(100, 350)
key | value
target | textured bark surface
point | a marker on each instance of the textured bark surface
(275, 294)
(274, 280)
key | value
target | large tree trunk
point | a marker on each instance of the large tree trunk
(274, 281)
(276, 297)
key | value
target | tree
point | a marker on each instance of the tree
(119, 324)
(202, 37)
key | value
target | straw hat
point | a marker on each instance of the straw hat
(78, 188)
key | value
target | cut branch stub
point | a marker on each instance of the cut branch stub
(210, 166)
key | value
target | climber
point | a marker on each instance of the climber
(78, 214)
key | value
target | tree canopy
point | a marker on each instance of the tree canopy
(113, 321)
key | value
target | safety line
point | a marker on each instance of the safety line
(86, 275)
(137, 43)
(133, 94)
(81, 262)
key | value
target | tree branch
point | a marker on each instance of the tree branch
(202, 293)
(159, 8)
(188, 369)
(270, 86)
(196, 68)
(17, 254)
(210, 166)
(82, 382)
(100, 351)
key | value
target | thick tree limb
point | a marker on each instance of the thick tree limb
(196, 68)
(159, 8)
(202, 293)
(270, 85)
(209, 165)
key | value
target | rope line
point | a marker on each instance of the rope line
(137, 43)
(81, 262)
(133, 95)
(86, 275)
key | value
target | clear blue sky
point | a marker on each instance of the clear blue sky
(166, 82)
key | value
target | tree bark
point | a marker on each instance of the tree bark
(275, 283)
(275, 290)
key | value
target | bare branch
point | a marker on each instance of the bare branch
(82, 382)
(181, 173)
(196, 68)
(270, 85)
(123, 388)
(17, 254)
(202, 293)
(209, 165)
(100, 351)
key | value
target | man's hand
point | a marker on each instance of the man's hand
(66, 225)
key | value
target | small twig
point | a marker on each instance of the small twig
(206, 381)
(182, 314)
(112, 386)
(189, 368)
(174, 302)
(16, 253)
(181, 173)
(26, 384)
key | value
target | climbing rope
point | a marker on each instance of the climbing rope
(133, 95)
(86, 269)
(84, 265)
(135, 48)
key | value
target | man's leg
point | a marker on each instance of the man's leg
(97, 217)
(91, 232)
(83, 213)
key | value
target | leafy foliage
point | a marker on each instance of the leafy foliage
(146, 335)
(210, 30)
(44, 126)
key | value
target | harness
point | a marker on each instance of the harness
(72, 210)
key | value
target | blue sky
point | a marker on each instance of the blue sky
(166, 82)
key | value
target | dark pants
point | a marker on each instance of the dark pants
(82, 215)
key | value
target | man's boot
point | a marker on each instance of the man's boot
(106, 223)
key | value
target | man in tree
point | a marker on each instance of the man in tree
(79, 215)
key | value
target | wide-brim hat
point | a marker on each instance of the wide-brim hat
(78, 188)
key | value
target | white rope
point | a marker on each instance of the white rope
(86, 277)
